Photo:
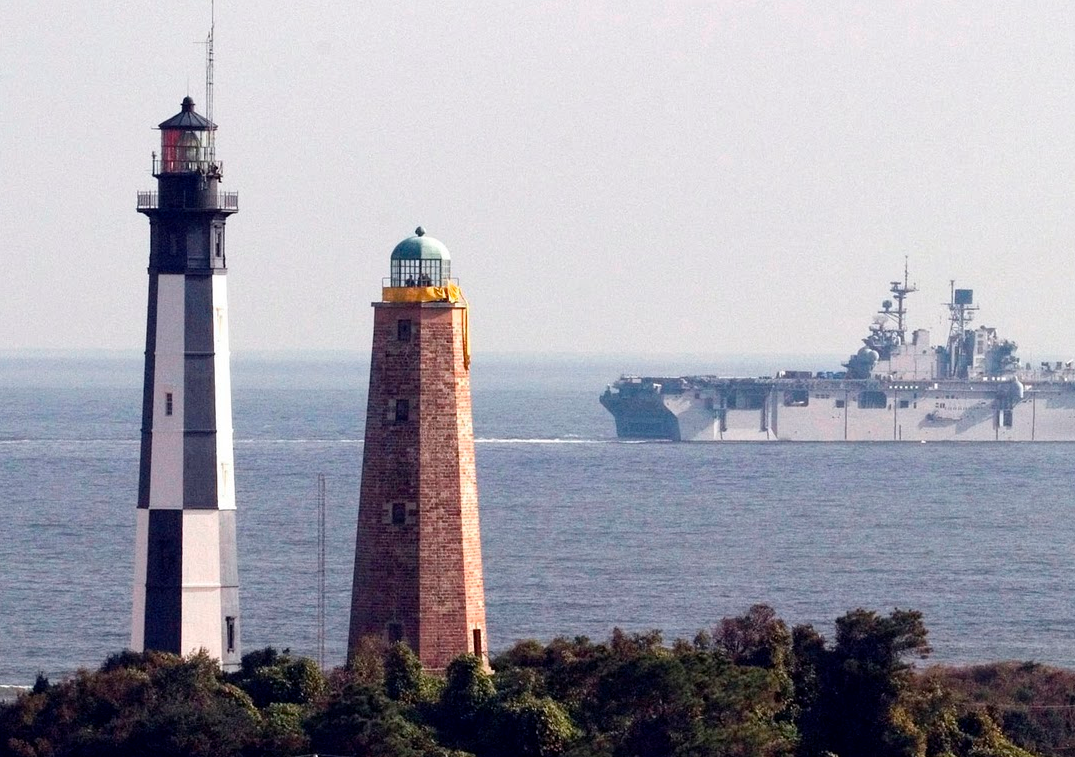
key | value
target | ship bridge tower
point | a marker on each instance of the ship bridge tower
(186, 594)
(418, 570)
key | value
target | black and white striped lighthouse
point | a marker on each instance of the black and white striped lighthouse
(186, 586)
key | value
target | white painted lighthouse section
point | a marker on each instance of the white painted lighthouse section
(221, 365)
(201, 583)
(166, 475)
(138, 605)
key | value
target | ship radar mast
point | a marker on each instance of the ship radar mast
(961, 310)
(889, 328)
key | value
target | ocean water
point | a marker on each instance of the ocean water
(580, 532)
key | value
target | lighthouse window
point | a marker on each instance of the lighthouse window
(399, 514)
(402, 411)
(839, 403)
(230, 622)
(168, 406)
(477, 642)
(1007, 419)
(905, 403)
(403, 330)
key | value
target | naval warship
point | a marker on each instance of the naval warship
(896, 387)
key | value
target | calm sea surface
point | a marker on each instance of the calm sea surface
(580, 532)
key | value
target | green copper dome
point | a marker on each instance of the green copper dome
(420, 247)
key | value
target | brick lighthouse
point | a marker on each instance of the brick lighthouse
(418, 568)
(186, 585)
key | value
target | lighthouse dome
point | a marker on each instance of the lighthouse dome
(421, 261)
(421, 247)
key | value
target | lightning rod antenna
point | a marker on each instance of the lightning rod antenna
(209, 83)
(321, 538)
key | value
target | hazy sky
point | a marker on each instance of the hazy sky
(703, 177)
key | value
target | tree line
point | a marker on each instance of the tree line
(749, 687)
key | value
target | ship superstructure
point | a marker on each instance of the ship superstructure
(897, 387)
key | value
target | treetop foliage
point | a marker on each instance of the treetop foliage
(750, 687)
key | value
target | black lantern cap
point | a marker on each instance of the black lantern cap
(187, 119)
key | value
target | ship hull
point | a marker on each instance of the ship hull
(843, 410)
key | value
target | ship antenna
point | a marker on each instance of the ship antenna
(900, 293)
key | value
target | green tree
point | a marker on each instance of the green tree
(260, 677)
(283, 730)
(850, 702)
(136, 704)
(648, 706)
(366, 661)
(363, 721)
(758, 639)
(468, 690)
(529, 726)
(268, 677)
(404, 679)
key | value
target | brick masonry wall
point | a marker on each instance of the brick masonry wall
(425, 573)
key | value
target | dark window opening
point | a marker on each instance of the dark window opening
(873, 400)
(840, 403)
(403, 410)
(746, 401)
(395, 632)
(229, 621)
(797, 398)
(168, 406)
(219, 244)
(403, 330)
(477, 642)
(1008, 419)
(399, 514)
(905, 403)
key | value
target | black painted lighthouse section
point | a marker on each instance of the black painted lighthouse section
(148, 393)
(164, 580)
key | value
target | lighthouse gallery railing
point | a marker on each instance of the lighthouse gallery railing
(222, 201)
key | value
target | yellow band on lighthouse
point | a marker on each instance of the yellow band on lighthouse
(450, 293)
